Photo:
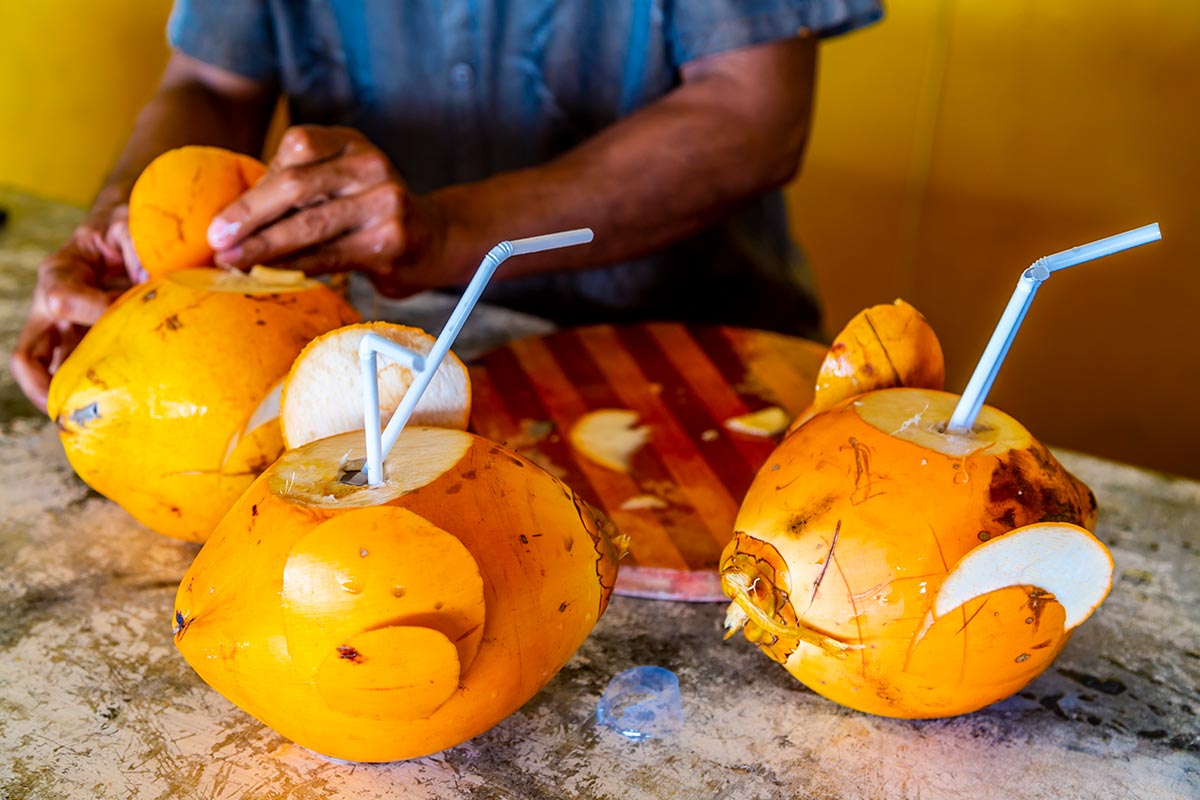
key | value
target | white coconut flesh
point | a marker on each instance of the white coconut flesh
(266, 410)
(920, 416)
(1056, 557)
(764, 422)
(260, 280)
(323, 393)
(609, 437)
(324, 473)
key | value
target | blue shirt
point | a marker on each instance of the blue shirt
(458, 90)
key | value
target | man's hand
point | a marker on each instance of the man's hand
(332, 202)
(75, 285)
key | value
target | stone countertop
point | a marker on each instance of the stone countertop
(96, 703)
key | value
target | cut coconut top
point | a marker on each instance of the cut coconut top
(259, 280)
(323, 473)
(1057, 557)
(882, 346)
(175, 199)
(323, 392)
(265, 412)
(920, 416)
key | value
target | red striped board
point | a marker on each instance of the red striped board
(678, 501)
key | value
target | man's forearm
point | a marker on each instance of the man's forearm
(189, 109)
(654, 178)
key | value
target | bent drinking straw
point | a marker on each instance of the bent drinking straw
(1006, 330)
(424, 367)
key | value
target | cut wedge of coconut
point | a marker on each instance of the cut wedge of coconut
(323, 392)
(1057, 557)
(259, 435)
(881, 347)
(609, 437)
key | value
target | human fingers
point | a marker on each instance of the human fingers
(118, 238)
(319, 224)
(68, 290)
(360, 249)
(69, 335)
(308, 144)
(330, 172)
(32, 356)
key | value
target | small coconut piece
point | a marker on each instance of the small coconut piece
(608, 437)
(644, 502)
(322, 394)
(764, 422)
(273, 276)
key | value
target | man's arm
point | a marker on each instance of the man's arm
(735, 127)
(194, 104)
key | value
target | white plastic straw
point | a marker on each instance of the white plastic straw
(424, 367)
(986, 370)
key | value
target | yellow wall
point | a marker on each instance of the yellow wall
(73, 74)
(961, 140)
(955, 143)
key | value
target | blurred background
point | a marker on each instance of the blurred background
(955, 143)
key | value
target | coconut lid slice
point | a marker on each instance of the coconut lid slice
(1057, 557)
(323, 392)
(883, 346)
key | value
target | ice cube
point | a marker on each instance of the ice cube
(642, 703)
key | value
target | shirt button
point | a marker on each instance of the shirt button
(462, 75)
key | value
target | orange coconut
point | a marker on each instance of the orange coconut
(907, 572)
(153, 406)
(175, 199)
(383, 623)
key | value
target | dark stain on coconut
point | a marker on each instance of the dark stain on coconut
(171, 323)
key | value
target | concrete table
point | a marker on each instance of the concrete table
(96, 703)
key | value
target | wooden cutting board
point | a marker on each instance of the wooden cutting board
(678, 502)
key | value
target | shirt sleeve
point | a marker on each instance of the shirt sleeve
(234, 35)
(697, 28)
